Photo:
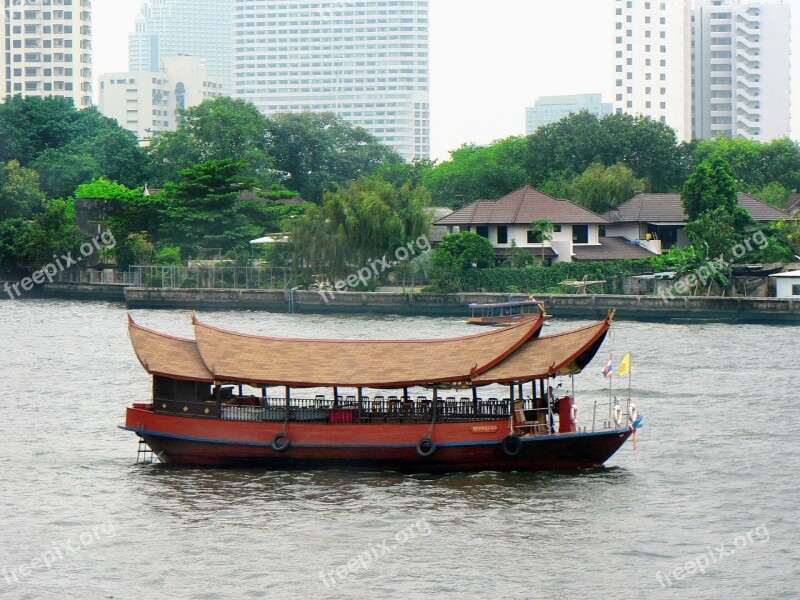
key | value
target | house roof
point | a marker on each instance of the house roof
(505, 355)
(611, 248)
(438, 232)
(793, 274)
(522, 206)
(668, 209)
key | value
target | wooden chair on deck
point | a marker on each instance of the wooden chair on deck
(527, 424)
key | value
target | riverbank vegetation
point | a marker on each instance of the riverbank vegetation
(229, 174)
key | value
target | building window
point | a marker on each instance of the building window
(796, 290)
(502, 234)
(483, 231)
(534, 237)
(580, 234)
(556, 228)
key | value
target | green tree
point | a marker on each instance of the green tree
(543, 230)
(716, 230)
(710, 186)
(475, 172)
(358, 224)
(20, 195)
(118, 156)
(599, 188)
(317, 151)
(774, 194)
(11, 252)
(570, 146)
(214, 130)
(54, 231)
(29, 126)
(457, 254)
(203, 209)
(62, 170)
(755, 165)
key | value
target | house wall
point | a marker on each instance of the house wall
(784, 287)
(629, 231)
(561, 242)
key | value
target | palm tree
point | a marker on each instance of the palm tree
(544, 229)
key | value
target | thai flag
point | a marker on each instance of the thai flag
(608, 370)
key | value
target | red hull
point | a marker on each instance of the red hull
(463, 446)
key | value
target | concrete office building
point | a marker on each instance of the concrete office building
(200, 28)
(742, 77)
(549, 109)
(652, 61)
(366, 61)
(47, 49)
(147, 102)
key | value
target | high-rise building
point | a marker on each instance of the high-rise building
(147, 102)
(47, 49)
(652, 66)
(364, 60)
(549, 109)
(721, 67)
(200, 28)
(741, 70)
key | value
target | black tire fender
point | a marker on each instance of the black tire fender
(281, 442)
(426, 447)
(511, 445)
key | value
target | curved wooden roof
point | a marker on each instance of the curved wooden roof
(232, 356)
(165, 355)
(513, 354)
(560, 354)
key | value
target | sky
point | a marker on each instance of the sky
(489, 60)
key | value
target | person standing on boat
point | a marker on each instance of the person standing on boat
(553, 407)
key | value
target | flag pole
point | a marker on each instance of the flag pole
(630, 364)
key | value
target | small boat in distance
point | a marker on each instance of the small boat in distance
(479, 402)
(503, 313)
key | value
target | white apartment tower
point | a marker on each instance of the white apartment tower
(741, 70)
(200, 28)
(47, 49)
(365, 60)
(147, 102)
(652, 68)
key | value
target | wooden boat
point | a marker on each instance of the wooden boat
(503, 313)
(369, 405)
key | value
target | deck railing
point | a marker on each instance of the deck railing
(372, 409)
(604, 415)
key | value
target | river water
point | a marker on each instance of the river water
(706, 507)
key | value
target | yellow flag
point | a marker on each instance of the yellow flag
(625, 366)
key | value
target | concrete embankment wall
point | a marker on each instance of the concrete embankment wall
(644, 308)
(83, 291)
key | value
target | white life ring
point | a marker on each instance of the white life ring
(633, 413)
(617, 415)
(573, 414)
